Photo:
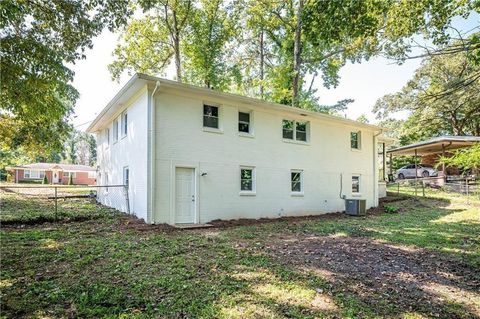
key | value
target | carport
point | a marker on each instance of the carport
(438, 145)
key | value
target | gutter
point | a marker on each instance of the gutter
(151, 155)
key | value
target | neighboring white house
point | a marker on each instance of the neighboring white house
(192, 155)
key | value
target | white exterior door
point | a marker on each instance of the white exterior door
(184, 195)
(55, 177)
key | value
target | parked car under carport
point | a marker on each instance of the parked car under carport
(422, 170)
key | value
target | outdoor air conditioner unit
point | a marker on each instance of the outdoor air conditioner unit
(355, 207)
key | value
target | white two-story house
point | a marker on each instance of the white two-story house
(193, 155)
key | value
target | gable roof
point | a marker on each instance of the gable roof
(436, 145)
(139, 81)
(50, 166)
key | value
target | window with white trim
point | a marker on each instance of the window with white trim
(211, 117)
(296, 180)
(355, 184)
(126, 176)
(92, 174)
(355, 139)
(33, 174)
(301, 131)
(244, 125)
(247, 179)
(124, 124)
(295, 130)
(115, 130)
(107, 136)
(67, 174)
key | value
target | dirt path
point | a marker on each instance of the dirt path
(408, 279)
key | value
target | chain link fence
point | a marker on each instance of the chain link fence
(27, 204)
(462, 186)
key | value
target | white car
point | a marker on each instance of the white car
(408, 171)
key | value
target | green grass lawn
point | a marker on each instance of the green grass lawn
(421, 262)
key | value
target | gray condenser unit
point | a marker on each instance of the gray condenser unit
(355, 207)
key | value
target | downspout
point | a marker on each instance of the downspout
(375, 171)
(151, 155)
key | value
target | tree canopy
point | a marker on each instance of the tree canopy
(442, 98)
(38, 40)
(267, 48)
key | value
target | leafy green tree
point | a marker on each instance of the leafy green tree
(362, 119)
(467, 158)
(149, 44)
(211, 30)
(432, 111)
(38, 40)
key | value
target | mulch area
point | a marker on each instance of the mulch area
(377, 273)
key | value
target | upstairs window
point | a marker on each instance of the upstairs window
(355, 184)
(296, 179)
(295, 131)
(124, 124)
(126, 176)
(288, 129)
(210, 116)
(247, 179)
(244, 122)
(107, 136)
(355, 140)
(115, 130)
(301, 131)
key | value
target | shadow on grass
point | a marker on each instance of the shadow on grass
(305, 269)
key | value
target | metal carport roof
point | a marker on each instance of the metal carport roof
(436, 145)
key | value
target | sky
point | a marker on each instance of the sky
(364, 82)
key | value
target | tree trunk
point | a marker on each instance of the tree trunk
(176, 48)
(262, 63)
(297, 51)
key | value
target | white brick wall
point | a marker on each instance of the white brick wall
(130, 151)
(180, 138)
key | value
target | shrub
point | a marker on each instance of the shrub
(70, 179)
(390, 209)
(45, 180)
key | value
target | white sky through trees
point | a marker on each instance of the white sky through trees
(364, 82)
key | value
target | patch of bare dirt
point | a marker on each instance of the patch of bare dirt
(408, 279)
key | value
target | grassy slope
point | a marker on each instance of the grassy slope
(103, 268)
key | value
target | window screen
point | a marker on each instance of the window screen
(210, 116)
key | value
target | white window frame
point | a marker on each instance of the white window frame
(74, 174)
(115, 130)
(107, 136)
(124, 124)
(220, 118)
(32, 174)
(357, 176)
(294, 131)
(253, 191)
(126, 181)
(359, 140)
(301, 192)
(250, 123)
